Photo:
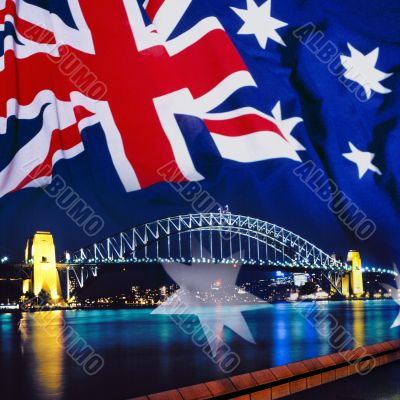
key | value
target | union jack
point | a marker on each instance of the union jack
(132, 78)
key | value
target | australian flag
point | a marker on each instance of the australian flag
(116, 115)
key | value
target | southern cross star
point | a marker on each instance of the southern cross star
(257, 21)
(363, 160)
(198, 284)
(360, 68)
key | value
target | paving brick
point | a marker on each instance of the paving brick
(313, 364)
(391, 344)
(342, 372)
(281, 372)
(360, 352)
(298, 386)
(337, 358)
(168, 395)
(352, 369)
(392, 357)
(263, 376)
(243, 381)
(367, 365)
(383, 359)
(370, 349)
(326, 361)
(378, 348)
(349, 355)
(386, 346)
(261, 395)
(280, 391)
(221, 386)
(297, 368)
(195, 392)
(328, 376)
(314, 380)
(395, 344)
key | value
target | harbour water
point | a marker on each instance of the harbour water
(146, 353)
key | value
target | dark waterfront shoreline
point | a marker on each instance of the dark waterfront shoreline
(33, 310)
(154, 306)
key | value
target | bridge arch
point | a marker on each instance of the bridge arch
(219, 237)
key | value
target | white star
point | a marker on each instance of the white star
(360, 68)
(196, 280)
(258, 22)
(363, 159)
(286, 126)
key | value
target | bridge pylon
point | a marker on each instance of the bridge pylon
(40, 255)
(346, 284)
(356, 276)
(351, 282)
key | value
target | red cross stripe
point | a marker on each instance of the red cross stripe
(133, 84)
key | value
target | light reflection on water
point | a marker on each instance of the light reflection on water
(43, 343)
(147, 353)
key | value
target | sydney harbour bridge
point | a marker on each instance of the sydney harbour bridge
(208, 238)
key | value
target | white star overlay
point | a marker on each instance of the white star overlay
(360, 68)
(395, 293)
(363, 160)
(257, 21)
(198, 281)
(286, 126)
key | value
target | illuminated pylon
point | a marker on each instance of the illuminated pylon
(40, 254)
(346, 285)
(356, 277)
